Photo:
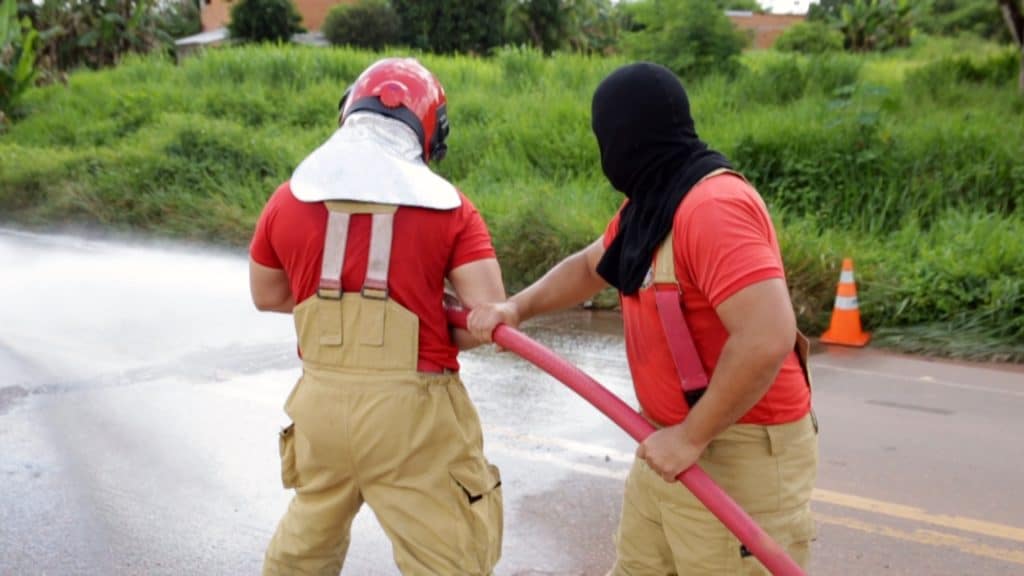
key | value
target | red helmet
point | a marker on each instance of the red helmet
(401, 88)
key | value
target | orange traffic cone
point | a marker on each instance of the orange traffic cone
(845, 327)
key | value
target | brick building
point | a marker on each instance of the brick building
(216, 13)
(765, 28)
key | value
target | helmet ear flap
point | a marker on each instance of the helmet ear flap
(438, 142)
(343, 101)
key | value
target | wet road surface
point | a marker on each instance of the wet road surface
(140, 398)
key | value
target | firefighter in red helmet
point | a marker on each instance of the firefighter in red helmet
(358, 246)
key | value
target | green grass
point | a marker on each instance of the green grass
(910, 163)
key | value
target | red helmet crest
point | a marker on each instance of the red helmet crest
(401, 88)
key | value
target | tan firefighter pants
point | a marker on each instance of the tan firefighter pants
(769, 470)
(412, 450)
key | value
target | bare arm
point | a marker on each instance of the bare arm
(270, 289)
(571, 281)
(762, 330)
(475, 284)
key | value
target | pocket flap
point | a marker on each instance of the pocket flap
(476, 477)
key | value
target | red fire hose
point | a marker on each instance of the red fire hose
(696, 480)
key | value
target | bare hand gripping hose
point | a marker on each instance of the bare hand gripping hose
(696, 480)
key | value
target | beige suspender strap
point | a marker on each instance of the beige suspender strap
(360, 207)
(714, 173)
(372, 313)
(664, 263)
(376, 283)
(335, 242)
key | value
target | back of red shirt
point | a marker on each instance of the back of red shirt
(723, 242)
(427, 245)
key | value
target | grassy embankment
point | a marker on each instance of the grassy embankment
(913, 164)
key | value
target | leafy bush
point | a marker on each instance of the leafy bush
(96, 34)
(935, 79)
(549, 25)
(179, 18)
(692, 37)
(831, 72)
(539, 23)
(264, 20)
(825, 10)
(597, 26)
(876, 24)
(955, 17)
(778, 81)
(450, 26)
(917, 290)
(17, 57)
(370, 24)
(810, 38)
(861, 172)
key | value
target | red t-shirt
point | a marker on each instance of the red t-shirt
(427, 245)
(723, 241)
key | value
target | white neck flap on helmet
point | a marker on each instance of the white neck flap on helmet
(372, 158)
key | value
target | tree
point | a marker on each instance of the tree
(265, 20)
(95, 33)
(955, 17)
(541, 23)
(875, 24)
(810, 38)
(446, 26)
(1014, 15)
(580, 25)
(694, 38)
(17, 57)
(370, 24)
(826, 10)
(746, 5)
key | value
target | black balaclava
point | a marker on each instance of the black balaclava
(651, 153)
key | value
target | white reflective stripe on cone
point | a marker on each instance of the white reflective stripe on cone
(846, 276)
(846, 302)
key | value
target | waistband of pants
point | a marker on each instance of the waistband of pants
(428, 367)
(775, 436)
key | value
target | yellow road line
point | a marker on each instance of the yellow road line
(834, 498)
(919, 536)
(917, 515)
(927, 537)
(618, 473)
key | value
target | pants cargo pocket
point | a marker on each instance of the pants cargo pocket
(286, 447)
(792, 529)
(480, 517)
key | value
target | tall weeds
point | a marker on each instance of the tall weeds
(925, 192)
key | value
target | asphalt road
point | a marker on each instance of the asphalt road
(140, 397)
